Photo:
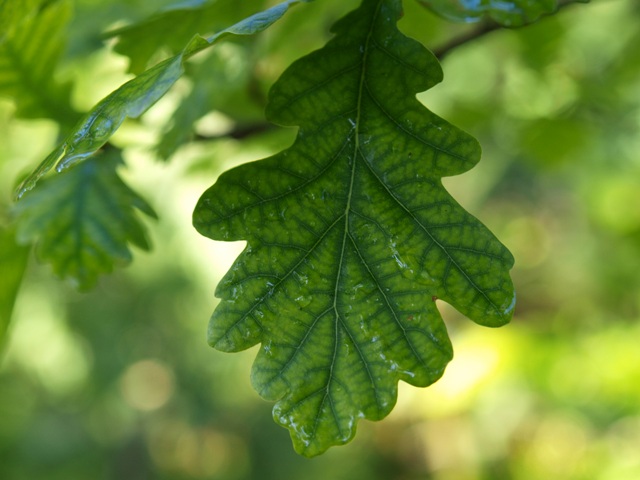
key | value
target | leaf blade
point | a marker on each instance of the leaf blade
(351, 236)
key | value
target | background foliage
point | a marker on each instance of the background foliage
(119, 383)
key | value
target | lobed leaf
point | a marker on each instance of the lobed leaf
(83, 221)
(351, 236)
(136, 96)
(509, 13)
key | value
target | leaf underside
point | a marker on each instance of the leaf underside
(509, 13)
(351, 236)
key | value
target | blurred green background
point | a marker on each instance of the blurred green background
(119, 383)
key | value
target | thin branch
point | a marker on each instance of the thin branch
(239, 132)
(481, 30)
(485, 27)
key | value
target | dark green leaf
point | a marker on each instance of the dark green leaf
(351, 236)
(29, 54)
(83, 221)
(13, 258)
(136, 96)
(509, 13)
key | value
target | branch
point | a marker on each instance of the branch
(239, 132)
(485, 27)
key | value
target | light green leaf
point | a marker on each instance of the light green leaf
(351, 236)
(83, 221)
(29, 54)
(13, 13)
(509, 13)
(175, 25)
(136, 96)
(13, 258)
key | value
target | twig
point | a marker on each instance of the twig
(240, 132)
(479, 31)
(485, 27)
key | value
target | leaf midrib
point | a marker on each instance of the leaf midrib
(347, 210)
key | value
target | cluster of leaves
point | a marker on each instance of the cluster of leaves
(351, 235)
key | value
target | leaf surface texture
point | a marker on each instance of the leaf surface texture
(351, 236)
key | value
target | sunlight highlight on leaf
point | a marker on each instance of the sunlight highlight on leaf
(351, 236)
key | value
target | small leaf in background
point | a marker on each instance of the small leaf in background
(175, 25)
(83, 221)
(29, 54)
(138, 95)
(13, 259)
(351, 236)
(217, 81)
(509, 13)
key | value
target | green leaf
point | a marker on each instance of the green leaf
(136, 96)
(13, 258)
(29, 54)
(83, 221)
(509, 13)
(351, 236)
(13, 13)
(175, 25)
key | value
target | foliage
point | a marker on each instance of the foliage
(29, 52)
(174, 26)
(136, 96)
(537, 112)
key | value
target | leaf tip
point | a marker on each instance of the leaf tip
(310, 444)
(502, 314)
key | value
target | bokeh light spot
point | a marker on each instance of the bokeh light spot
(147, 385)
